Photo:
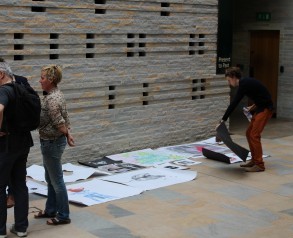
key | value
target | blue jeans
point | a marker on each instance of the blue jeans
(57, 201)
(13, 170)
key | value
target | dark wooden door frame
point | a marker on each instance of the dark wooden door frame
(264, 59)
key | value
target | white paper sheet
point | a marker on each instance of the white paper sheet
(77, 172)
(72, 173)
(36, 172)
(34, 186)
(95, 192)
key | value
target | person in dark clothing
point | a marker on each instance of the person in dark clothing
(262, 111)
(14, 150)
(10, 197)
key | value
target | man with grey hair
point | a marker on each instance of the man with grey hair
(14, 150)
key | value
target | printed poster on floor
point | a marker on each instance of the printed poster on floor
(152, 178)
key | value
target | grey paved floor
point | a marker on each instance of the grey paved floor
(222, 202)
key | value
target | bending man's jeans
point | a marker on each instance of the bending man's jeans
(13, 166)
(57, 201)
(253, 135)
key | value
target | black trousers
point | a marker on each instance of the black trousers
(13, 172)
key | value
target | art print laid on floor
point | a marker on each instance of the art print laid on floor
(99, 162)
(146, 157)
(185, 162)
(152, 178)
(193, 150)
(95, 192)
(170, 165)
(119, 168)
(108, 166)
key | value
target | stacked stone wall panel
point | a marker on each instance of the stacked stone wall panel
(136, 74)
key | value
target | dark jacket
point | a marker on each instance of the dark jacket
(254, 90)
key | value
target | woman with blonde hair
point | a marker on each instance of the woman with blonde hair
(54, 132)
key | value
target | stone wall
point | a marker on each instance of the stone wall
(136, 74)
(282, 20)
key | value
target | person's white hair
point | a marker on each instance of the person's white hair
(4, 67)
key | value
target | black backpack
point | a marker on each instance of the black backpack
(25, 116)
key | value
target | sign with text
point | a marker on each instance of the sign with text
(225, 33)
(223, 63)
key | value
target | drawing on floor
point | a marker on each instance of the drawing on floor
(145, 177)
(171, 165)
(119, 168)
(185, 162)
(147, 157)
(152, 178)
(99, 162)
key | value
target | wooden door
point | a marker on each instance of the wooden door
(264, 59)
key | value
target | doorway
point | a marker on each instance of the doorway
(264, 59)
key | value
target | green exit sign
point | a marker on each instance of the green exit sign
(263, 16)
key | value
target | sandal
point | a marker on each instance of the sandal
(55, 221)
(42, 214)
